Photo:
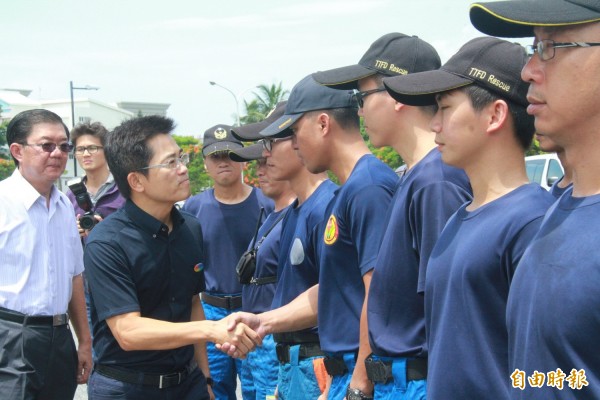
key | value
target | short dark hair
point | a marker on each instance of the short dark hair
(347, 118)
(522, 123)
(21, 125)
(95, 129)
(126, 147)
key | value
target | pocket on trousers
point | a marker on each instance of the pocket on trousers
(101, 387)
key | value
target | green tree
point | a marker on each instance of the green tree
(3, 125)
(6, 168)
(266, 98)
(254, 112)
(199, 179)
(386, 154)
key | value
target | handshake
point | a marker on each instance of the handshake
(239, 333)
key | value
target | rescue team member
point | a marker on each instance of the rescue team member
(553, 309)
(301, 369)
(428, 193)
(485, 130)
(257, 294)
(327, 137)
(228, 214)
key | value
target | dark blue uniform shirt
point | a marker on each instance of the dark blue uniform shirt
(228, 229)
(257, 298)
(428, 194)
(348, 250)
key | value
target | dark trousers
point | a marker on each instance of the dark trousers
(37, 362)
(101, 387)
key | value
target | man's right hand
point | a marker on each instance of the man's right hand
(239, 340)
(253, 321)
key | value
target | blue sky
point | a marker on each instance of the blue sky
(168, 51)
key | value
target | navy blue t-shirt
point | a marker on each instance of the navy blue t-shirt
(428, 194)
(553, 311)
(468, 278)
(297, 269)
(133, 263)
(348, 250)
(227, 230)
(557, 191)
(258, 298)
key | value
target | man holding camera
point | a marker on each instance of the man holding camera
(104, 197)
(42, 262)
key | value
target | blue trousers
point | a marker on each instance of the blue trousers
(101, 387)
(262, 367)
(224, 369)
(339, 384)
(297, 379)
(399, 388)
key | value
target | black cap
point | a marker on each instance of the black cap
(248, 153)
(491, 63)
(518, 18)
(251, 131)
(392, 54)
(219, 138)
(307, 96)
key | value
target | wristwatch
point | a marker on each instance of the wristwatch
(357, 394)
(209, 381)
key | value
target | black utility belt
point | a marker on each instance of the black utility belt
(335, 366)
(307, 350)
(296, 337)
(379, 371)
(160, 381)
(227, 302)
(23, 319)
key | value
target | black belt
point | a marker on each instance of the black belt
(14, 316)
(379, 371)
(263, 280)
(306, 350)
(156, 380)
(296, 337)
(227, 302)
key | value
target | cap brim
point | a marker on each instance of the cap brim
(220, 146)
(344, 78)
(248, 153)
(420, 89)
(518, 18)
(280, 128)
(249, 132)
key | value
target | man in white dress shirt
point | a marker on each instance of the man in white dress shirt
(41, 262)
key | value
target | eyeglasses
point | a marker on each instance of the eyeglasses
(545, 48)
(49, 147)
(92, 149)
(268, 143)
(173, 163)
(360, 96)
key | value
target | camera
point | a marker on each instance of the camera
(87, 220)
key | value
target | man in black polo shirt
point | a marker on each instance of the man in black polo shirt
(145, 272)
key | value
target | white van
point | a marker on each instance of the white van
(544, 169)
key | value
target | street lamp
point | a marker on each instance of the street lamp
(235, 97)
(71, 87)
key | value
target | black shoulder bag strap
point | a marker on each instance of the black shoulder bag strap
(266, 279)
